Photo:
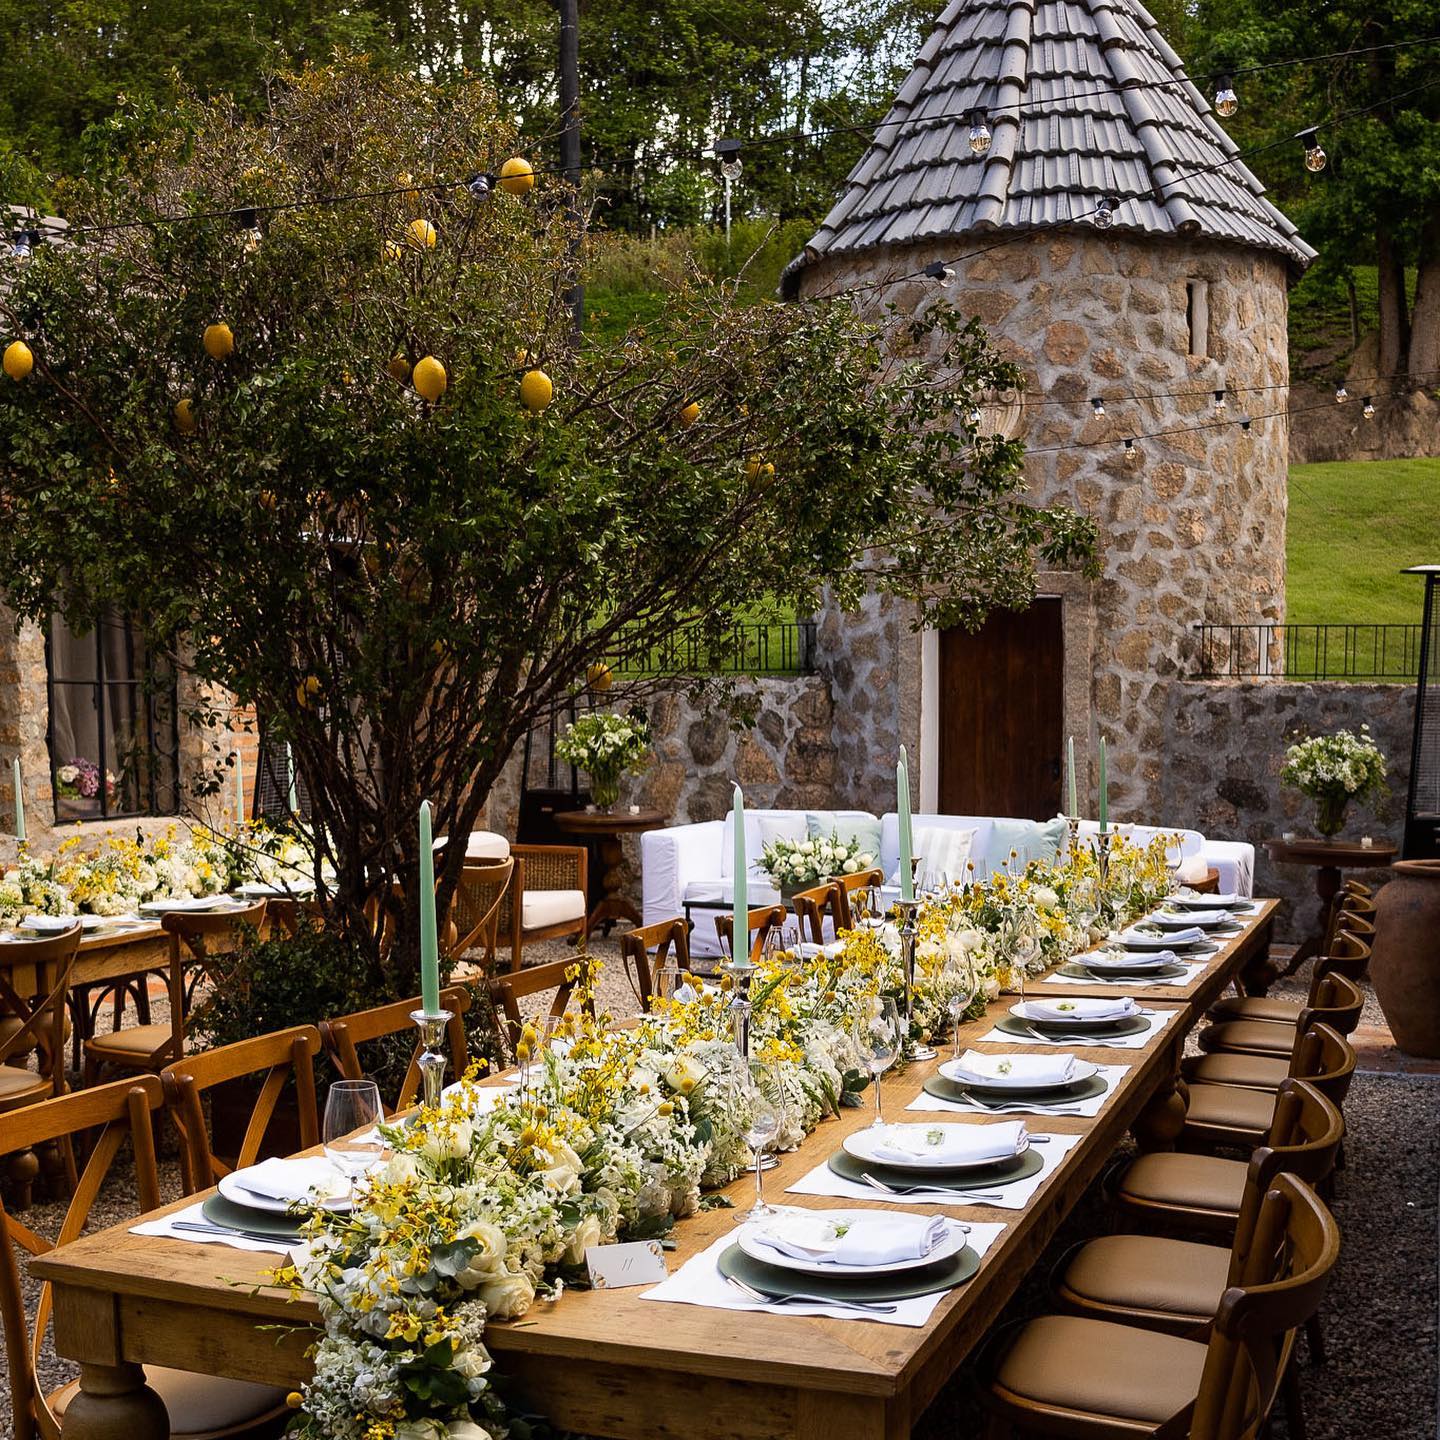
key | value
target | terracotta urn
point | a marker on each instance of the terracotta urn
(1405, 962)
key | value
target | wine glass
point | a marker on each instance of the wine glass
(352, 1142)
(762, 1129)
(960, 987)
(877, 1038)
(873, 902)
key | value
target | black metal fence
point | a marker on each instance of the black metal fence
(1308, 652)
(746, 649)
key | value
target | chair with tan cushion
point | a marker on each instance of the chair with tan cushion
(1347, 907)
(285, 1058)
(1217, 1113)
(1176, 1285)
(1067, 1375)
(645, 951)
(197, 938)
(1330, 1074)
(198, 1405)
(1177, 1190)
(761, 921)
(1337, 1003)
(1349, 955)
(342, 1036)
(547, 898)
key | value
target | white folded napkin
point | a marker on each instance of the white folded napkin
(806, 949)
(306, 1177)
(951, 1144)
(1124, 960)
(1078, 1009)
(1174, 937)
(1184, 897)
(882, 1239)
(1034, 1070)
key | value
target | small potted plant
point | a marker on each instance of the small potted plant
(606, 746)
(1333, 770)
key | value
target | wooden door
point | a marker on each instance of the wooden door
(1001, 715)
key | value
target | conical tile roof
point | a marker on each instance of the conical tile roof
(1071, 95)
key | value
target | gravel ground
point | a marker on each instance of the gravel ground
(1380, 1314)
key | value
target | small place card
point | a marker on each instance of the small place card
(637, 1262)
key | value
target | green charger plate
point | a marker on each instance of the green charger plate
(943, 1088)
(903, 1285)
(1094, 1034)
(1077, 971)
(958, 1178)
(220, 1211)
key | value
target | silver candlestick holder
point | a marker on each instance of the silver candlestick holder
(1072, 823)
(741, 972)
(432, 1054)
(1102, 854)
(909, 928)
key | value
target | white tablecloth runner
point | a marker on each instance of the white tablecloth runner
(1110, 1074)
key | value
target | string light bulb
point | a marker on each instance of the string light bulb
(480, 185)
(727, 152)
(1314, 156)
(975, 416)
(939, 271)
(1131, 457)
(1105, 209)
(1098, 406)
(1220, 402)
(1227, 102)
(23, 246)
(1367, 408)
(979, 133)
(1341, 394)
(247, 223)
(1245, 426)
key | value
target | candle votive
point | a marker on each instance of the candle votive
(1366, 842)
(634, 809)
(1288, 837)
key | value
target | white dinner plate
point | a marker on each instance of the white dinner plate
(1118, 961)
(237, 1194)
(951, 1070)
(1025, 1010)
(863, 1143)
(197, 905)
(1201, 919)
(58, 924)
(1132, 940)
(1209, 902)
(273, 890)
(953, 1243)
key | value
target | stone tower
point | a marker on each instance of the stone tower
(1184, 292)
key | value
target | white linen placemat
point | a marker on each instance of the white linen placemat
(1110, 1074)
(699, 1282)
(195, 1214)
(1192, 969)
(1155, 1021)
(822, 1180)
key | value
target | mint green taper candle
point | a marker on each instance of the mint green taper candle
(290, 766)
(1104, 789)
(19, 806)
(1074, 809)
(740, 918)
(907, 840)
(429, 947)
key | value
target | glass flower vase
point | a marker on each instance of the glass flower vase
(604, 790)
(1330, 814)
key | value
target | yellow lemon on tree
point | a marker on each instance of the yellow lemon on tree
(420, 234)
(517, 176)
(752, 468)
(393, 250)
(429, 378)
(184, 413)
(218, 340)
(399, 367)
(690, 414)
(536, 391)
(18, 362)
(267, 499)
(307, 690)
(405, 178)
(599, 676)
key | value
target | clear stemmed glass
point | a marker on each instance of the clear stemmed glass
(873, 903)
(877, 1037)
(352, 1143)
(960, 985)
(762, 1129)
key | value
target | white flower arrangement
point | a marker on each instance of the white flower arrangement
(606, 746)
(1341, 764)
(795, 864)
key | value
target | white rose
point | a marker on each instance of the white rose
(420, 1430)
(470, 1364)
(488, 1259)
(587, 1233)
(968, 940)
(468, 1430)
(447, 1141)
(1046, 898)
(400, 1169)
(508, 1295)
(561, 1172)
(685, 1073)
(851, 866)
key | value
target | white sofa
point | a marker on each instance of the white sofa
(695, 862)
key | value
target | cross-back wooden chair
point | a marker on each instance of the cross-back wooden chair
(282, 1056)
(645, 950)
(198, 1405)
(761, 921)
(1334, 1000)
(197, 938)
(814, 906)
(848, 885)
(1348, 956)
(1347, 906)
(345, 1033)
(1075, 1376)
(562, 976)
(475, 911)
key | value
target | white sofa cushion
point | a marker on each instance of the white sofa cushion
(858, 825)
(542, 908)
(982, 825)
(787, 823)
(944, 853)
(482, 845)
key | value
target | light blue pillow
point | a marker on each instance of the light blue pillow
(1029, 839)
(863, 826)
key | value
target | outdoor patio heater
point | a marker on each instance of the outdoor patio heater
(1422, 805)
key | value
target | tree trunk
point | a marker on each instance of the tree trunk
(1424, 353)
(1394, 321)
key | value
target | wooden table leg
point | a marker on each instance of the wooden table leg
(115, 1403)
(613, 905)
(1158, 1125)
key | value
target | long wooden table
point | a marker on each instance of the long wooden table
(107, 956)
(603, 1362)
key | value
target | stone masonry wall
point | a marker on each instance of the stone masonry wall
(1225, 744)
(1196, 532)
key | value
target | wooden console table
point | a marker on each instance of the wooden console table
(607, 828)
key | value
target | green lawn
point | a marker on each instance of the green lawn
(1353, 526)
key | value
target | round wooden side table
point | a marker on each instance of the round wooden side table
(1329, 859)
(607, 828)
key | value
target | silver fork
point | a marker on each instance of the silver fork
(930, 1190)
(864, 1307)
(205, 1227)
(1016, 1107)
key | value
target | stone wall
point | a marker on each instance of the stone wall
(1196, 532)
(1225, 744)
